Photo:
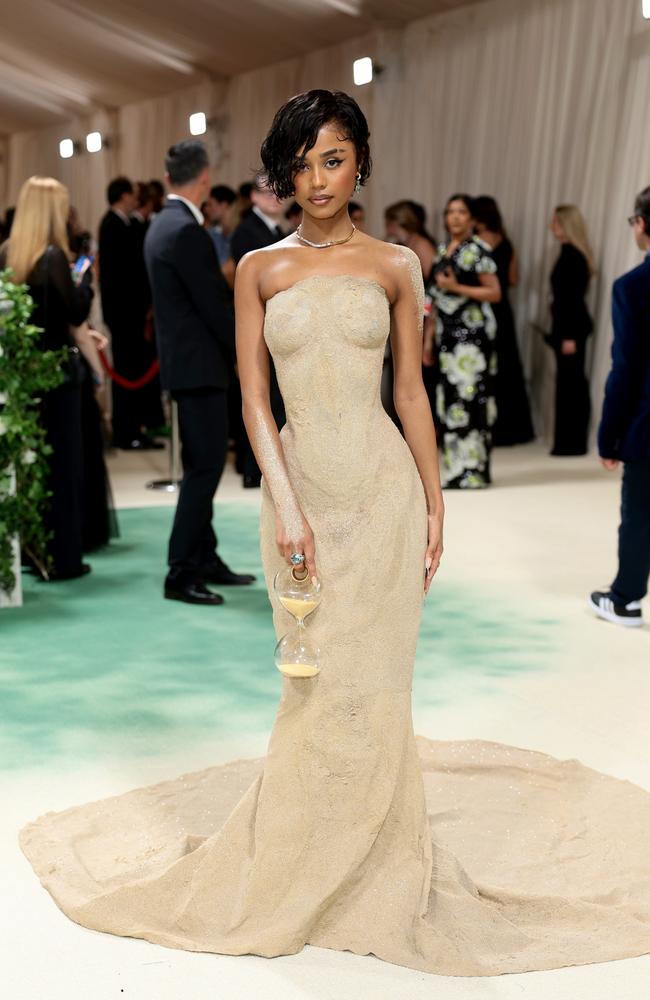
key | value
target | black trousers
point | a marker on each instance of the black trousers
(631, 583)
(572, 403)
(131, 358)
(61, 416)
(203, 430)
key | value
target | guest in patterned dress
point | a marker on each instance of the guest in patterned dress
(463, 286)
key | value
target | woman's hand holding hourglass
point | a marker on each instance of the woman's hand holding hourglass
(300, 539)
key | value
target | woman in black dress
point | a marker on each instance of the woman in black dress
(571, 326)
(513, 424)
(38, 255)
(464, 286)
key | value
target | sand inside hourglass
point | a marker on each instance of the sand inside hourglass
(298, 669)
(298, 607)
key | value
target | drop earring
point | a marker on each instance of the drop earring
(357, 186)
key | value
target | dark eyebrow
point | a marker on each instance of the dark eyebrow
(329, 152)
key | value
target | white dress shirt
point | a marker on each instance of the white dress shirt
(196, 212)
(271, 223)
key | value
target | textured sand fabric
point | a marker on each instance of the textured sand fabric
(456, 858)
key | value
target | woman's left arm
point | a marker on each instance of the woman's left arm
(411, 400)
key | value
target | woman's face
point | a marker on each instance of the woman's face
(325, 178)
(556, 228)
(458, 218)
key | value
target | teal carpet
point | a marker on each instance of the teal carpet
(103, 668)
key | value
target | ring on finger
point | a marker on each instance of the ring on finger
(297, 558)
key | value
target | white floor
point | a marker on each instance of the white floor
(541, 538)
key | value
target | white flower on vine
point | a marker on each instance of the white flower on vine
(29, 457)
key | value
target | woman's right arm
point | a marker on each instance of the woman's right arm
(293, 533)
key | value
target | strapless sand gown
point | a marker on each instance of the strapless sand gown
(461, 858)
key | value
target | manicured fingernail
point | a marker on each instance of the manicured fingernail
(314, 580)
(428, 564)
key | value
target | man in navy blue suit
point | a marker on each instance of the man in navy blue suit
(624, 433)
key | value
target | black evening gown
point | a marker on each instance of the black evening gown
(571, 321)
(99, 522)
(513, 424)
(58, 305)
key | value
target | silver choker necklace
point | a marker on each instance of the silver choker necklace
(321, 246)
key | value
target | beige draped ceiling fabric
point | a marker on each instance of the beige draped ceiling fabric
(536, 102)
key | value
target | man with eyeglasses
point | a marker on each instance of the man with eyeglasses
(624, 433)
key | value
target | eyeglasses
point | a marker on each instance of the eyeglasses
(631, 219)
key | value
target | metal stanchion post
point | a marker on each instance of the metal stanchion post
(172, 484)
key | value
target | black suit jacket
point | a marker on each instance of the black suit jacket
(195, 325)
(118, 277)
(252, 233)
(569, 283)
(624, 431)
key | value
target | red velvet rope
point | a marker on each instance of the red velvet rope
(126, 383)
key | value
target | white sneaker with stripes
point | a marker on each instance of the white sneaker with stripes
(628, 615)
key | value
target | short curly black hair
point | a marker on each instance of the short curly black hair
(296, 126)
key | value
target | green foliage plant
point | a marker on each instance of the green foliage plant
(26, 373)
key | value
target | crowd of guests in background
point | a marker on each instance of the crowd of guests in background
(471, 363)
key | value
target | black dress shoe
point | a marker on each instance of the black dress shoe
(252, 482)
(222, 574)
(191, 593)
(54, 575)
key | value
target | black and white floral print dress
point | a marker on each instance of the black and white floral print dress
(465, 335)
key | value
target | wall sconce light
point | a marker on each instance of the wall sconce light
(198, 123)
(364, 70)
(94, 142)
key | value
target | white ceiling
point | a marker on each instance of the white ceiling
(61, 58)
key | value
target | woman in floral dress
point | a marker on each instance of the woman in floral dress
(464, 284)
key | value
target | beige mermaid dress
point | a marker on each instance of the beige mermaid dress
(461, 858)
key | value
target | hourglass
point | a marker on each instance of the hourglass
(295, 654)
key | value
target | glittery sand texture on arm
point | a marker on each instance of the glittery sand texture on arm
(268, 451)
(412, 263)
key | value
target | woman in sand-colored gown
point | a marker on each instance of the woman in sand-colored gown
(458, 858)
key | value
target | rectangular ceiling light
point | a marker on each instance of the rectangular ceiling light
(94, 142)
(66, 149)
(362, 70)
(198, 123)
(645, 8)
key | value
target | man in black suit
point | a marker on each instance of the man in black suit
(124, 292)
(150, 405)
(624, 433)
(195, 331)
(260, 228)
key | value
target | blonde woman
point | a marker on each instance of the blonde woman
(39, 256)
(572, 324)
